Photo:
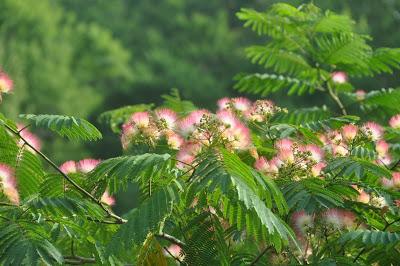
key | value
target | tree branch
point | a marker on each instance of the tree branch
(260, 256)
(336, 98)
(120, 220)
(171, 239)
(78, 260)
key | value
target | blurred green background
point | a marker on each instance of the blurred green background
(82, 58)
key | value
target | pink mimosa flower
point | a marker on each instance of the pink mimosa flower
(167, 115)
(223, 103)
(339, 77)
(239, 137)
(384, 160)
(396, 179)
(228, 118)
(381, 147)
(241, 104)
(141, 119)
(274, 164)
(373, 130)
(68, 167)
(261, 164)
(394, 122)
(340, 149)
(349, 132)
(286, 156)
(6, 84)
(31, 138)
(128, 132)
(175, 251)
(317, 154)
(339, 218)
(317, 169)
(174, 140)
(284, 144)
(107, 199)
(360, 95)
(301, 221)
(387, 183)
(188, 124)
(87, 165)
(9, 183)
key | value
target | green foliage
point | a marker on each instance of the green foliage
(305, 45)
(66, 126)
(369, 237)
(145, 219)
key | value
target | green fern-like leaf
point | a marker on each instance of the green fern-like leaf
(29, 174)
(115, 173)
(264, 84)
(174, 101)
(356, 167)
(66, 126)
(387, 98)
(145, 219)
(303, 115)
(281, 61)
(369, 237)
(26, 244)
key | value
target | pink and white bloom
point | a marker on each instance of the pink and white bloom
(140, 119)
(175, 251)
(382, 147)
(384, 160)
(317, 169)
(373, 130)
(9, 183)
(387, 183)
(317, 154)
(87, 165)
(349, 132)
(128, 132)
(107, 198)
(239, 137)
(284, 144)
(394, 122)
(241, 104)
(228, 118)
(6, 84)
(262, 165)
(223, 103)
(68, 167)
(174, 140)
(339, 77)
(396, 179)
(188, 124)
(339, 218)
(360, 95)
(301, 222)
(167, 115)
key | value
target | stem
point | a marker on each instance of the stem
(78, 260)
(71, 181)
(336, 98)
(260, 256)
(171, 239)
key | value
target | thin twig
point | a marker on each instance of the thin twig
(336, 98)
(78, 260)
(175, 258)
(260, 256)
(71, 181)
(171, 239)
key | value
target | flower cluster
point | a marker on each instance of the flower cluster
(292, 157)
(85, 166)
(6, 84)
(9, 183)
(200, 128)
(31, 138)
